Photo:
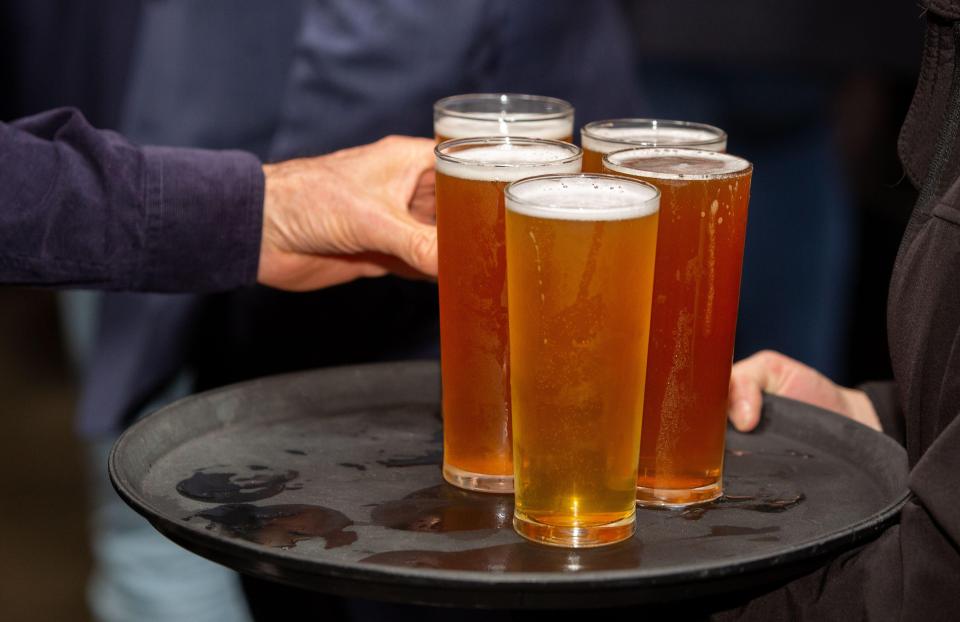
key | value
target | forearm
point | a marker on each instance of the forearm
(84, 207)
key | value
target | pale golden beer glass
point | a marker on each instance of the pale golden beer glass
(502, 114)
(474, 344)
(580, 253)
(602, 137)
(696, 291)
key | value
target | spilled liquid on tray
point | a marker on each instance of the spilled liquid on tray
(432, 456)
(752, 503)
(443, 509)
(281, 525)
(235, 485)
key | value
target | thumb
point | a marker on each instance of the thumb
(748, 380)
(411, 241)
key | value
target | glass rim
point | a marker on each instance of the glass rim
(566, 108)
(509, 192)
(703, 153)
(576, 151)
(586, 130)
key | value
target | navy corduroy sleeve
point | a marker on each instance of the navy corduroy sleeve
(83, 207)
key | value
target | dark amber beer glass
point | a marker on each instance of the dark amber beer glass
(502, 114)
(601, 137)
(696, 291)
(580, 252)
(471, 175)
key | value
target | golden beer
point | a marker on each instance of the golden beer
(502, 114)
(704, 200)
(474, 342)
(580, 253)
(601, 137)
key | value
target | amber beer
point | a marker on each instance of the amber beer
(601, 137)
(471, 175)
(502, 114)
(704, 198)
(580, 252)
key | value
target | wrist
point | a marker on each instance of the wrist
(860, 408)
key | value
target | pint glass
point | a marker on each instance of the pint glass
(602, 137)
(471, 174)
(502, 114)
(704, 198)
(580, 252)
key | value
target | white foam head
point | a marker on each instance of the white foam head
(582, 197)
(506, 159)
(503, 114)
(529, 125)
(666, 163)
(616, 134)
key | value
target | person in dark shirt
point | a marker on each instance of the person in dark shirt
(912, 570)
(85, 207)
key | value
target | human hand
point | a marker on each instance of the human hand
(775, 373)
(359, 212)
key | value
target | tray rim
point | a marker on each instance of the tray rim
(186, 535)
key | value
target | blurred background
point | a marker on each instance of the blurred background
(812, 92)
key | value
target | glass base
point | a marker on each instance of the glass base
(479, 482)
(574, 537)
(678, 497)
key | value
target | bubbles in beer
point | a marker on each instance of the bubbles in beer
(616, 134)
(687, 164)
(582, 198)
(529, 125)
(509, 160)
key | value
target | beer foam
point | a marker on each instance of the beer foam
(509, 161)
(661, 163)
(583, 197)
(528, 125)
(604, 138)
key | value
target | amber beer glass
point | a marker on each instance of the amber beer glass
(502, 114)
(471, 175)
(580, 252)
(703, 220)
(601, 137)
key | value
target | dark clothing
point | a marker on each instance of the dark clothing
(290, 78)
(85, 207)
(912, 571)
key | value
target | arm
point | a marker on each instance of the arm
(84, 207)
(772, 372)
(911, 571)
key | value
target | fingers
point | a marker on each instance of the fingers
(423, 206)
(410, 241)
(745, 401)
(748, 380)
(406, 161)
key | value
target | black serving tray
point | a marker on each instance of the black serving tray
(330, 480)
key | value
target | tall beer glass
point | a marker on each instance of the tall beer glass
(580, 252)
(695, 297)
(502, 114)
(471, 175)
(602, 137)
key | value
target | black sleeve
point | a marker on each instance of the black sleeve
(886, 402)
(911, 572)
(85, 207)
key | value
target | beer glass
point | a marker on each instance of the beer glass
(696, 291)
(471, 175)
(580, 252)
(502, 114)
(602, 137)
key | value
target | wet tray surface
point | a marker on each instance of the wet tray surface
(330, 480)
